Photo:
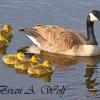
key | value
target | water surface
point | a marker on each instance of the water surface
(79, 76)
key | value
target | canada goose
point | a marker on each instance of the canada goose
(6, 32)
(60, 40)
(41, 69)
(24, 65)
(11, 59)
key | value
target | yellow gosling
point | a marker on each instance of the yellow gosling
(24, 65)
(35, 60)
(7, 28)
(6, 32)
(41, 69)
(3, 43)
(11, 59)
(46, 64)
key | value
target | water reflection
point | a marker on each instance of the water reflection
(18, 71)
(46, 77)
(62, 62)
(91, 66)
(90, 81)
(3, 46)
(3, 50)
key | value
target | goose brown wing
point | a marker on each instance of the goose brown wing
(57, 35)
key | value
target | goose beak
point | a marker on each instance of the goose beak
(99, 18)
(98, 15)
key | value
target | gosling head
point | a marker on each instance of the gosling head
(47, 64)
(7, 27)
(94, 15)
(20, 56)
(35, 59)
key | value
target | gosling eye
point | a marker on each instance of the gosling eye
(22, 56)
(37, 59)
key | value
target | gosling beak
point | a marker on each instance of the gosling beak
(21, 30)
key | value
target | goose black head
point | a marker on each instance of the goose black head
(94, 15)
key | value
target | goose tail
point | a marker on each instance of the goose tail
(34, 36)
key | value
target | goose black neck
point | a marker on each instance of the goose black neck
(91, 40)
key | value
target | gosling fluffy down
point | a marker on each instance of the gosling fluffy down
(6, 32)
(24, 65)
(41, 69)
(11, 59)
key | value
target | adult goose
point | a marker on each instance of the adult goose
(60, 40)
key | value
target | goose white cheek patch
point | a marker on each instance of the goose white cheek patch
(93, 18)
(34, 41)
